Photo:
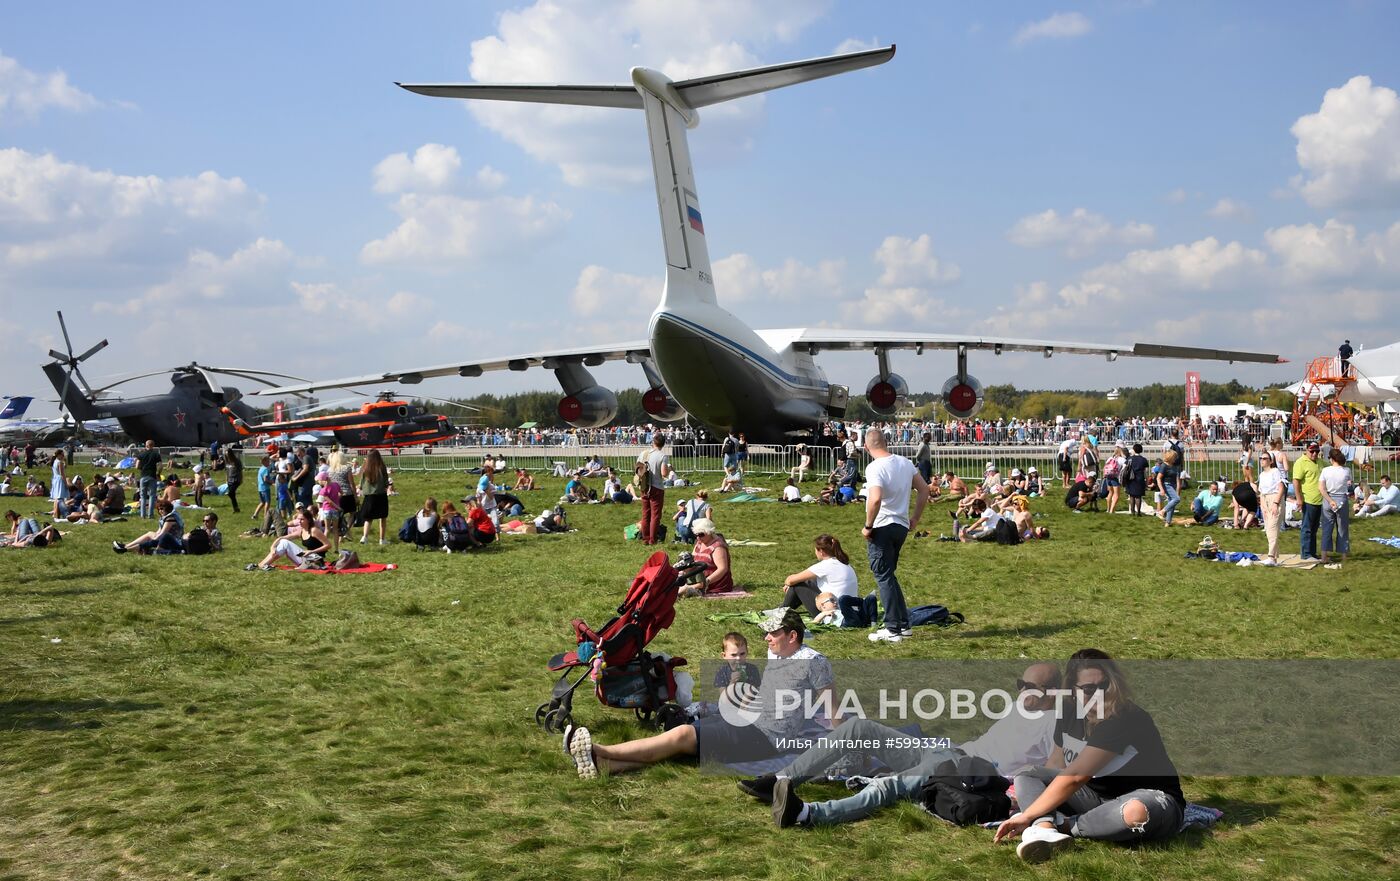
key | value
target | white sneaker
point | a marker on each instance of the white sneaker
(364, 541)
(580, 743)
(907, 631)
(1038, 844)
(883, 635)
(382, 542)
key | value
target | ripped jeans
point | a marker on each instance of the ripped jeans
(1090, 815)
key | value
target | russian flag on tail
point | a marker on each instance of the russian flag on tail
(692, 213)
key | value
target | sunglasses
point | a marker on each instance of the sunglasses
(1026, 685)
(1091, 687)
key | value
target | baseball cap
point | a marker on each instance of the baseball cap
(781, 619)
(1314, 446)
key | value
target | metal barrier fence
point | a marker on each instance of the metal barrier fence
(1203, 461)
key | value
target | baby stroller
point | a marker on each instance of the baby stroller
(614, 657)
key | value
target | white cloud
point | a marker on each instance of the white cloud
(1080, 232)
(623, 299)
(1349, 150)
(452, 229)
(23, 93)
(328, 299)
(855, 44)
(911, 262)
(585, 41)
(1229, 209)
(60, 216)
(489, 179)
(1201, 265)
(1060, 26)
(432, 167)
(1336, 251)
(738, 278)
(250, 274)
(1176, 196)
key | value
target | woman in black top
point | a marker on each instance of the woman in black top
(1135, 480)
(1246, 505)
(313, 541)
(1109, 777)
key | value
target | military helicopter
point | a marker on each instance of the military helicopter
(386, 422)
(191, 414)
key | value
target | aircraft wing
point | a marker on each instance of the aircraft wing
(590, 356)
(833, 340)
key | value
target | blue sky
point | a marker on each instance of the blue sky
(245, 186)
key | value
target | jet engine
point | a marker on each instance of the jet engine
(884, 394)
(659, 405)
(962, 398)
(592, 407)
(585, 403)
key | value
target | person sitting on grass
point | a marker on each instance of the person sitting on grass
(793, 668)
(954, 488)
(425, 524)
(328, 501)
(1385, 500)
(1109, 777)
(1205, 508)
(168, 536)
(733, 480)
(831, 494)
(790, 491)
(613, 490)
(984, 528)
(831, 573)
(1033, 485)
(482, 528)
(524, 481)
(688, 512)
(1015, 741)
(712, 550)
(575, 492)
(211, 529)
(302, 528)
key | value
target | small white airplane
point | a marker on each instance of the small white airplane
(698, 357)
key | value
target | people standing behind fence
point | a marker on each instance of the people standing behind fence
(1335, 484)
(374, 495)
(1306, 473)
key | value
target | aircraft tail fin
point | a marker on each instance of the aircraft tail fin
(74, 401)
(16, 407)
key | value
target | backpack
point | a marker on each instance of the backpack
(1007, 533)
(966, 790)
(408, 532)
(347, 560)
(456, 532)
(934, 614)
(197, 542)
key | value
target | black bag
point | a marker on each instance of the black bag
(1006, 532)
(197, 542)
(408, 532)
(965, 791)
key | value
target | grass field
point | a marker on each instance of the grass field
(199, 720)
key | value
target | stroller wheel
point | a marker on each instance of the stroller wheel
(669, 716)
(556, 720)
(540, 712)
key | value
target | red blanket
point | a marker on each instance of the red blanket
(362, 569)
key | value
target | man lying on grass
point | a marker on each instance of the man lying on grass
(755, 729)
(1013, 742)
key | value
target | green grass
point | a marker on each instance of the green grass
(198, 720)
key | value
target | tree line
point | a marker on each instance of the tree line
(1002, 402)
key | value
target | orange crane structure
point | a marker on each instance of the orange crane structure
(1319, 414)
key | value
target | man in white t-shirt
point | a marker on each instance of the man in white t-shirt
(889, 481)
(1016, 741)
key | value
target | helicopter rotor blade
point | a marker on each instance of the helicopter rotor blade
(64, 326)
(93, 351)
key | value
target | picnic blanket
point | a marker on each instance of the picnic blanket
(1225, 557)
(735, 594)
(746, 497)
(750, 543)
(1293, 561)
(1393, 541)
(362, 569)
